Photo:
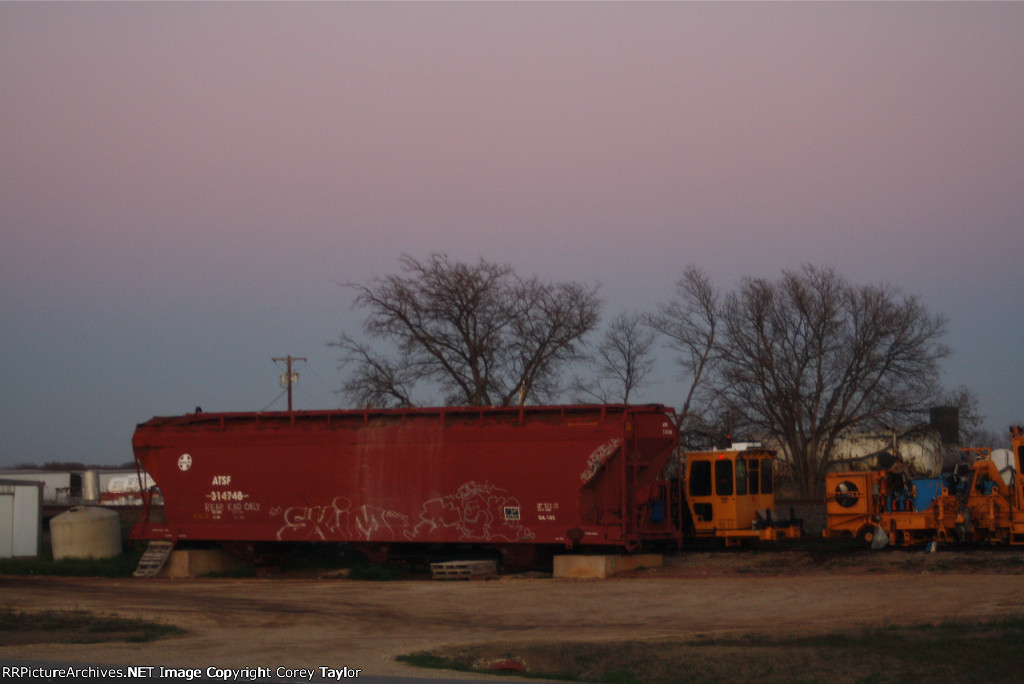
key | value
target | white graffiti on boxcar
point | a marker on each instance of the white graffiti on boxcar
(315, 522)
(597, 459)
(478, 511)
(336, 521)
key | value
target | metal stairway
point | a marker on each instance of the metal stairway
(154, 558)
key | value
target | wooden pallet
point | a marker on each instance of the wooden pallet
(154, 558)
(464, 570)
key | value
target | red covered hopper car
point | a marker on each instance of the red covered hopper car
(512, 479)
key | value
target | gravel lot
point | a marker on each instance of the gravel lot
(337, 623)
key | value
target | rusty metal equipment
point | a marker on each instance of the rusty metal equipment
(969, 504)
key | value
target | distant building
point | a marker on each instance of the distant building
(77, 487)
(921, 449)
(57, 484)
(926, 449)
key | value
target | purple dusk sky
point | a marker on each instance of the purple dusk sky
(184, 186)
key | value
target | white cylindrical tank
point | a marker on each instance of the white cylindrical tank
(86, 532)
(1003, 458)
(90, 487)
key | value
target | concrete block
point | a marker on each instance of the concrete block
(583, 567)
(598, 567)
(199, 562)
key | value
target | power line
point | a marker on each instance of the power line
(316, 388)
(273, 402)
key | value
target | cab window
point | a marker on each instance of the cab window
(741, 476)
(700, 478)
(766, 477)
(754, 475)
(723, 478)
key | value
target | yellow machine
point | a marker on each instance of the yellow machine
(1017, 515)
(731, 496)
(970, 504)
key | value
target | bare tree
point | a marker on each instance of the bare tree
(808, 356)
(485, 335)
(377, 380)
(690, 323)
(622, 361)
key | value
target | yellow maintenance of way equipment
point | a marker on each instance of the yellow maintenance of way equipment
(971, 504)
(731, 496)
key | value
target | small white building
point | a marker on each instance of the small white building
(21, 518)
(57, 484)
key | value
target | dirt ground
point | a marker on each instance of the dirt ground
(313, 622)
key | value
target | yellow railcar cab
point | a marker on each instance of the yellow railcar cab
(731, 493)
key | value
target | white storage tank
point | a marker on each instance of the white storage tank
(1003, 458)
(86, 532)
(90, 487)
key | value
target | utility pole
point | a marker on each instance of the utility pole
(289, 378)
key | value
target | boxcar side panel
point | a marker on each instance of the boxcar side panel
(442, 476)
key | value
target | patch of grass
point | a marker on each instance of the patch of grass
(920, 653)
(77, 627)
(118, 566)
(433, 662)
